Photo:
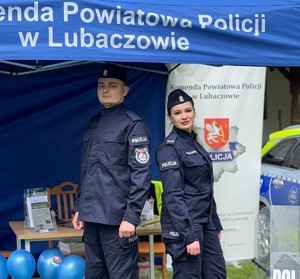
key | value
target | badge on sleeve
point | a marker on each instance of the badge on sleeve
(142, 155)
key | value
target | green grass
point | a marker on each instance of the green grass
(246, 270)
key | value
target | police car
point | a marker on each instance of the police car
(280, 180)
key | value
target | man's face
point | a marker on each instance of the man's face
(111, 91)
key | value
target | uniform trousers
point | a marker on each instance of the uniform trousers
(107, 255)
(209, 264)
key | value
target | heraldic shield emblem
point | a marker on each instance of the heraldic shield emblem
(142, 155)
(216, 132)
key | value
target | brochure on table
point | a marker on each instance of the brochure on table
(36, 210)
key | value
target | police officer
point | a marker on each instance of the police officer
(190, 224)
(115, 182)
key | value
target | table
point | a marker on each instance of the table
(153, 228)
(28, 235)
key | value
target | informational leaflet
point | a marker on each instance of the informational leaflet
(41, 217)
(36, 210)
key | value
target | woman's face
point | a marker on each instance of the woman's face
(182, 116)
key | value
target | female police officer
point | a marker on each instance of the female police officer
(115, 182)
(190, 224)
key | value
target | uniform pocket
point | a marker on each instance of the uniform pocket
(113, 153)
(194, 161)
(113, 137)
(197, 174)
(127, 242)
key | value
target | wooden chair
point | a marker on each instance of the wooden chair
(5, 253)
(159, 251)
(62, 198)
(159, 247)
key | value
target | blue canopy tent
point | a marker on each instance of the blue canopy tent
(207, 32)
(52, 51)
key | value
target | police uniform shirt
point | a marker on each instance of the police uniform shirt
(115, 168)
(187, 177)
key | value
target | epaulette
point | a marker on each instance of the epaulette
(171, 139)
(133, 116)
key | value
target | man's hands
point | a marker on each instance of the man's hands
(78, 225)
(126, 229)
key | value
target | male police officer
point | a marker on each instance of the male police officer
(115, 182)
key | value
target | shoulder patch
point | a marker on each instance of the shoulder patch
(138, 140)
(133, 116)
(171, 139)
(142, 155)
(170, 164)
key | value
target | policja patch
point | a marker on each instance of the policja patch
(142, 155)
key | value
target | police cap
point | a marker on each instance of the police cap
(177, 97)
(113, 71)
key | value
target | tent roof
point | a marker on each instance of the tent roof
(249, 33)
(25, 67)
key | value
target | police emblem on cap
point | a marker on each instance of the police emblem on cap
(142, 155)
(113, 71)
(177, 97)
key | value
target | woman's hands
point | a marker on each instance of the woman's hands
(193, 248)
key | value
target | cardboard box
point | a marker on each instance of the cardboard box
(71, 245)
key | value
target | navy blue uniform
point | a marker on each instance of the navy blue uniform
(188, 207)
(115, 182)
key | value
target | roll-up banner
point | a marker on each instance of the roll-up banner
(229, 103)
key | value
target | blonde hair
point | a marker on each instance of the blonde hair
(194, 129)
